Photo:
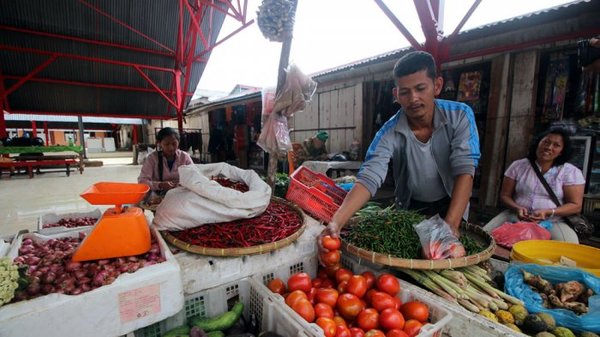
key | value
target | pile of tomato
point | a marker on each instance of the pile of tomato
(347, 305)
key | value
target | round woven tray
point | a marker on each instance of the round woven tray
(260, 249)
(473, 231)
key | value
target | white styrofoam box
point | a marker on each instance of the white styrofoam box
(109, 144)
(132, 301)
(258, 301)
(94, 145)
(202, 272)
(52, 218)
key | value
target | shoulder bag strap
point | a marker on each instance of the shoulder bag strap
(160, 165)
(545, 183)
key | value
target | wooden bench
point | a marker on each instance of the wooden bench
(36, 162)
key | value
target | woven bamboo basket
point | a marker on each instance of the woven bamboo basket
(475, 232)
(230, 252)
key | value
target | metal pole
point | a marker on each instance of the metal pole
(82, 139)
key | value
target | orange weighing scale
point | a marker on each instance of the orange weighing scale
(120, 231)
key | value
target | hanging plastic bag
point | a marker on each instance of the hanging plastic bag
(275, 136)
(437, 239)
(510, 233)
(297, 91)
(516, 286)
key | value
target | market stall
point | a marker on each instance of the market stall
(38, 158)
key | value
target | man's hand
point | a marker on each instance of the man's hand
(333, 230)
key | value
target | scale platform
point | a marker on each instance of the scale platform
(120, 231)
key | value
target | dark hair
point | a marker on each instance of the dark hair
(413, 62)
(166, 132)
(567, 150)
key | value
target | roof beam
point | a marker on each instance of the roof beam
(465, 19)
(199, 57)
(411, 39)
(121, 23)
(91, 84)
(156, 88)
(78, 39)
(30, 75)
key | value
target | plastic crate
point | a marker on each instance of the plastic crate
(315, 193)
(201, 272)
(54, 218)
(440, 316)
(258, 301)
(132, 301)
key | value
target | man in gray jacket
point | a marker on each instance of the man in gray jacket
(433, 145)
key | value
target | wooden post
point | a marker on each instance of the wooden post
(284, 60)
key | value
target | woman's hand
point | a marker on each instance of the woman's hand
(541, 214)
(523, 213)
(167, 185)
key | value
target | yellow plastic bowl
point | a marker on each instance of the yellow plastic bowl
(546, 252)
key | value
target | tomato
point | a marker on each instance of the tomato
(374, 333)
(357, 285)
(349, 306)
(388, 283)
(391, 318)
(322, 273)
(412, 327)
(369, 295)
(328, 326)
(370, 277)
(330, 243)
(328, 296)
(317, 282)
(331, 270)
(277, 286)
(330, 258)
(299, 281)
(295, 296)
(342, 286)
(303, 308)
(415, 310)
(396, 333)
(342, 331)
(343, 274)
(398, 302)
(323, 310)
(327, 283)
(368, 319)
(381, 300)
(357, 332)
(340, 321)
(311, 295)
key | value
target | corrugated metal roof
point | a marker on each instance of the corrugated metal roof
(157, 19)
(544, 15)
(57, 118)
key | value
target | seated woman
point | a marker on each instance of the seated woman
(313, 148)
(527, 198)
(160, 168)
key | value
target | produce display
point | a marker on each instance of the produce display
(11, 279)
(226, 182)
(571, 295)
(50, 269)
(390, 231)
(72, 222)
(277, 222)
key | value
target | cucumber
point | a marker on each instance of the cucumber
(216, 334)
(221, 322)
(179, 331)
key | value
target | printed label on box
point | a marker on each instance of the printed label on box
(138, 303)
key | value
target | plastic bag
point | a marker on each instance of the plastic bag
(516, 286)
(437, 239)
(275, 136)
(200, 200)
(510, 233)
(297, 91)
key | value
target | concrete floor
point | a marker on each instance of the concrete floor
(24, 200)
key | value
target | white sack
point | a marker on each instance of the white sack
(200, 200)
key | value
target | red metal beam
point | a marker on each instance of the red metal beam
(196, 23)
(33, 129)
(110, 17)
(89, 114)
(198, 58)
(78, 39)
(413, 42)
(160, 92)
(3, 98)
(84, 58)
(428, 25)
(226, 12)
(465, 19)
(180, 48)
(30, 75)
(46, 133)
(93, 85)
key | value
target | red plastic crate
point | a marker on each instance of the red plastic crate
(315, 193)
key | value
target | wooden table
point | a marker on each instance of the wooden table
(37, 157)
(326, 166)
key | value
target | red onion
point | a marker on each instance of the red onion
(84, 280)
(79, 274)
(72, 266)
(49, 277)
